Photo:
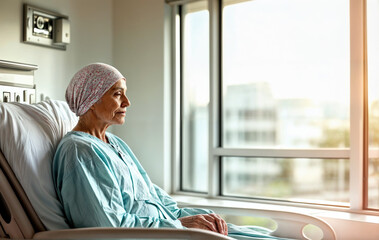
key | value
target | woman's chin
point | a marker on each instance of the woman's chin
(118, 121)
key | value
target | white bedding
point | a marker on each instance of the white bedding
(29, 135)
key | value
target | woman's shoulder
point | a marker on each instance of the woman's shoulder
(75, 138)
(77, 147)
(79, 142)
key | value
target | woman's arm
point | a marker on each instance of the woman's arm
(171, 204)
(193, 217)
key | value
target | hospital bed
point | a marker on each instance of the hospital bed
(29, 207)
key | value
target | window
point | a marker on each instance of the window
(195, 96)
(291, 59)
(272, 100)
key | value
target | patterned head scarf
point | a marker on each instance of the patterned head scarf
(89, 84)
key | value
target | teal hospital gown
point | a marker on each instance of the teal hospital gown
(104, 185)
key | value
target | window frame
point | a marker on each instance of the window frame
(357, 153)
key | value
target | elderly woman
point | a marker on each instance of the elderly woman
(97, 177)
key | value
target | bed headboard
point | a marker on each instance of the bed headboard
(17, 82)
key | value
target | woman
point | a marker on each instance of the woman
(98, 179)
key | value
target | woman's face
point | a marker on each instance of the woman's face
(111, 108)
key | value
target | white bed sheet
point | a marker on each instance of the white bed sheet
(29, 135)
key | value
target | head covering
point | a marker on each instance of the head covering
(89, 84)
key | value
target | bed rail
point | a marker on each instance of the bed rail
(131, 233)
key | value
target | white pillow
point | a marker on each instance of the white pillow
(29, 135)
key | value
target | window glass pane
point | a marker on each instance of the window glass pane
(373, 101)
(195, 96)
(286, 73)
(303, 180)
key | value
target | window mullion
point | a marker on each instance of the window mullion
(357, 103)
(214, 88)
(176, 105)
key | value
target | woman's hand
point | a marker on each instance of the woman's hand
(211, 222)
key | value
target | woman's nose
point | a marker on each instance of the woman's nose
(126, 102)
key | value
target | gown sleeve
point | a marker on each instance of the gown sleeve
(171, 204)
(89, 191)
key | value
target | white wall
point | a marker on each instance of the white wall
(139, 55)
(91, 41)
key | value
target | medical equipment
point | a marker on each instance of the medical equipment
(17, 82)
